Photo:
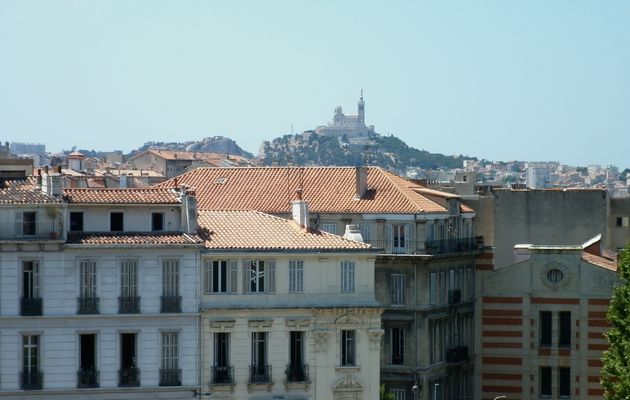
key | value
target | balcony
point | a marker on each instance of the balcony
(223, 375)
(297, 373)
(260, 374)
(454, 296)
(170, 377)
(31, 306)
(128, 377)
(88, 305)
(27, 230)
(457, 355)
(31, 380)
(129, 305)
(171, 304)
(87, 378)
(431, 247)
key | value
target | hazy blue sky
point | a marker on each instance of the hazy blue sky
(502, 80)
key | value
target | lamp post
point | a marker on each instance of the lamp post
(415, 389)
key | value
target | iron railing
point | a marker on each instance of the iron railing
(170, 377)
(88, 305)
(222, 375)
(260, 373)
(129, 377)
(50, 230)
(454, 296)
(31, 306)
(297, 373)
(171, 304)
(430, 247)
(31, 380)
(457, 354)
(87, 378)
(129, 305)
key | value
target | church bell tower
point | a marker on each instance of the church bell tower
(361, 110)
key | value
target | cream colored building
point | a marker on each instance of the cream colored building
(540, 323)
(287, 312)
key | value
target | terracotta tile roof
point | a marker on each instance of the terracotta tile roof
(253, 230)
(25, 192)
(121, 196)
(599, 261)
(133, 238)
(327, 190)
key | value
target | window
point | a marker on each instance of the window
(545, 381)
(296, 276)
(399, 394)
(129, 301)
(398, 289)
(259, 371)
(76, 221)
(366, 232)
(259, 276)
(348, 347)
(564, 337)
(564, 382)
(129, 374)
(399, 236)
(471, 282)
(619, 221)
(443, 291)
(116, 222)
(398, 346)
(220, 276)
(88, 301)
(330, 228)
(31, 302)
(87, 375)
(157, 221)
(436, 337)
(171, 300)
(31, 377)
(170, 374)
(545, 328)
(347, 277)
(297, 371)
(432, 277)
(29, 223)
(221, 371)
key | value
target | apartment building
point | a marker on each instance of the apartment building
(98, 292)
(288, 311)
(541, 323)
(424, 271)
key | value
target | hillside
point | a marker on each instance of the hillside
(215, 144)
(386, 151)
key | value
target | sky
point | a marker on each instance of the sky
(501, 80)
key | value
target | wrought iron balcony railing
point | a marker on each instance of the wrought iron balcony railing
(129, 377)
(26, 230)
(129, 305)
(88, 305)
(223, 375)
(297, 373)
(430, 247)
(31, 306)
(31, 380)
(170, 377)
(260, 373)
(457, 354)
(87, 378)
(171, 304)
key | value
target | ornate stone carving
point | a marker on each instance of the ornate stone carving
(555, 275)
(222, 325)
(375, 336)
(321, 339)
(258, 324)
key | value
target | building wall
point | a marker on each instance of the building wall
(619, 223)
(135, 219)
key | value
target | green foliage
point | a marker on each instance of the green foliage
(385, 395)
(616, 369)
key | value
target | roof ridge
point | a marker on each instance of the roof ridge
(388, 175)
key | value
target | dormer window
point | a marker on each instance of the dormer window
(29, 222)
(116, 221)
(76, 221)
(157, 221)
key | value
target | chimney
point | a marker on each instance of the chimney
(360, 180)
(189, 211)
(353, 233)
(122, 179)
(51, 184)
(299, 210)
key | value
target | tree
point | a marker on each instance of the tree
(385, 395)
(616, 369)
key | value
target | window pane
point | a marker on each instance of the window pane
(545, 328)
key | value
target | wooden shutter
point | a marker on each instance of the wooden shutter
(232, 276)
(271, 276)
(389, 238)
(247, 276)
(409, 246)
(207, 276)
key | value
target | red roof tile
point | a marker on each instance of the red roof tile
(599, 261)
(133, 238)
(253, 230)
(327, 190)
(121, 196)
(25, 192)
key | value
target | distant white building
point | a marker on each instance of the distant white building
(538, 177)
(351, 125)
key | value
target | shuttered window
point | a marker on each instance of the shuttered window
(296, 276)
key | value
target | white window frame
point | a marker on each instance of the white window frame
(129, 277)
(169, 350)
(218, 269)
(348, 348)
(170, 277)
(296, 276)
(28, 348)
(87, 279)
(216, 349)
(399, 394)
(401, 344)
(33, 277)
(398, 285)
(259, 276)
(347, 276)
(257, 339)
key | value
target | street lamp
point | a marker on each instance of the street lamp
(415, 389)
